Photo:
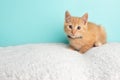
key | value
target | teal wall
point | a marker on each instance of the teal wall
(38, 21)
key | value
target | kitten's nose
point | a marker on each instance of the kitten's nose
(73, 32)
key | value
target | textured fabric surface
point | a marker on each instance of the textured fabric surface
(57, 62)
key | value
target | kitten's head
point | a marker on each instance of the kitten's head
(75, 27)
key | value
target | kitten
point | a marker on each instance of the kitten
(82, 34)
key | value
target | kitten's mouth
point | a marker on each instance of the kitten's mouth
(80, 37)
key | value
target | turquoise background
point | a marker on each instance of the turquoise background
(41, 21)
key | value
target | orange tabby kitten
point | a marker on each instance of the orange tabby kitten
(82, 34)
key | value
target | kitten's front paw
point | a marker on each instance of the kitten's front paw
(82, 52)
(71, 48)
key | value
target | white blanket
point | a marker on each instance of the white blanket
(57, 62)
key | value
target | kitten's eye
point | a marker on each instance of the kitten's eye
(70, 26)
(78, 27)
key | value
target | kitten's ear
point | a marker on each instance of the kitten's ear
(85, 18)
(67, 17)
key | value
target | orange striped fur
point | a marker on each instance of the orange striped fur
(82, 34)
